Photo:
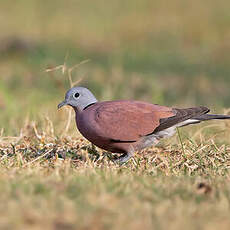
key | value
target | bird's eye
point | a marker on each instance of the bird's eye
(76, 95)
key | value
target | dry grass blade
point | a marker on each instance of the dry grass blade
(72, 83)
(38, 158)
(68, 123)
(70, 70)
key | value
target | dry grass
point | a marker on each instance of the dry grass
(55, 181)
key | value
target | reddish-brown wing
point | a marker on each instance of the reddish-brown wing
(182, 115)
(129, 120)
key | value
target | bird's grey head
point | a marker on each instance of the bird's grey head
(79, 98)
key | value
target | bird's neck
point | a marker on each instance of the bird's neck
(79, 110)
(89, 105)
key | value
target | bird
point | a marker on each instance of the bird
(128, 126)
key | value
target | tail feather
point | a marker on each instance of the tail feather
(189, 116)
(205, 117)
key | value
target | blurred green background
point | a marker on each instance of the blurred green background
(167, 52)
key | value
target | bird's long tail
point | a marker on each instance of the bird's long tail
(206, 117)
(203, 117)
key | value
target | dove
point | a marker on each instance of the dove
(128, 126)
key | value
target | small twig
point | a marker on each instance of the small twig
(182, 146)
(1, 132)
(62, 67)
(68, 121)
(70, 73)
(72, 83)
(50, 127)
(36, 131)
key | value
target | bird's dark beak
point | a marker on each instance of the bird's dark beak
(62, 104)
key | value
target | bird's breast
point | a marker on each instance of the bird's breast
(89, 128)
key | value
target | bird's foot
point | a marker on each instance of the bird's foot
(123, 158)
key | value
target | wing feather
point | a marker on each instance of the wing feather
(180, 116)
(129, 120)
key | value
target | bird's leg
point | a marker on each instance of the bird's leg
(125, 157)
(120, 160)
